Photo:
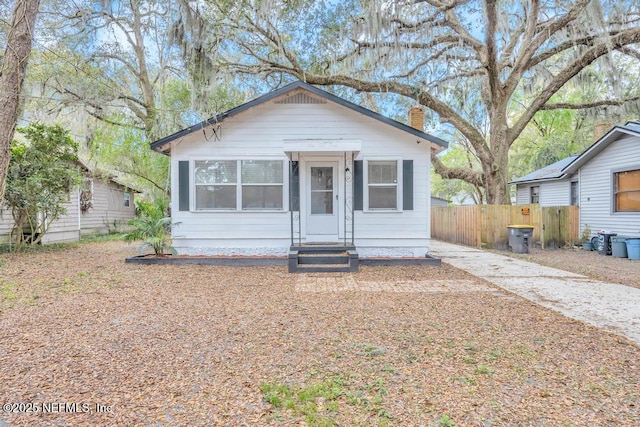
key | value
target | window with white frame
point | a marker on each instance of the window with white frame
(627, 191)
(574, 193)
(262, 184)
(535, 194)
(127, 199)
(382, 184)
(238, 184)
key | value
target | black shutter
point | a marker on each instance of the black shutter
(407, 185)
(183, 185)
(358, 179)
(294, 182)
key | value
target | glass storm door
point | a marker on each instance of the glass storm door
(322, 201)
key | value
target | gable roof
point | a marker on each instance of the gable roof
(552, 171)
(629, 128)
(105, 177)
(162, 145)
(571, 164)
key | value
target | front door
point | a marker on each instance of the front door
(322, 201)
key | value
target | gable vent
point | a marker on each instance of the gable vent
(301, 98)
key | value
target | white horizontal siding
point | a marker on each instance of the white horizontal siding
(596, 188)
(259, 133)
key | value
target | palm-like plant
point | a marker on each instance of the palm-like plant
(152, 226)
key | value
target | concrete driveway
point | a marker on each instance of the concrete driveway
(610, 306)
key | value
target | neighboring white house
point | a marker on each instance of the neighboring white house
(604, 180)
(299, 166)
(98, 206)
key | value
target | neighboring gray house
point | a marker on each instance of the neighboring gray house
(604, 180)
(112, 205)
(439, 201)
(98, 206)
(548, 186)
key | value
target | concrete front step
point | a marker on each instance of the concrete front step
(326, 268)
(316, 259)
(323, 258)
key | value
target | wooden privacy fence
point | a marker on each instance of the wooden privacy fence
(486, 225)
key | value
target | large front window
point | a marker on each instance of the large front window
(234, 184)
(383, 184)
(627, 191)
(262, 184)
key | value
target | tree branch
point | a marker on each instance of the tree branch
(603, 103)
(622, 39)
(467, 175)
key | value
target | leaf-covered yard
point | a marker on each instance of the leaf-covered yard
(198, 345)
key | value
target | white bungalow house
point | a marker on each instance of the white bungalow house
(604, 180)
(301, 167)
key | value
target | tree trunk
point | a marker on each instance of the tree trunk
(496, 172)
(12, 73)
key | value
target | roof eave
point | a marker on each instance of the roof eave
(597, 147)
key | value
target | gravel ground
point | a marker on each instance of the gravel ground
(589, 263)
(199, 345)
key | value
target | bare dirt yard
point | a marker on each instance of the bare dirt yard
(588, 263)
(88, 340)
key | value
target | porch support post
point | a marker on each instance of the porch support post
(291, 195)
(353, 194)
(345, 198)
(301, 186)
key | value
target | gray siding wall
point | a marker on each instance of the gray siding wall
(108, 211)
(6, 223)
(64, 229)
(552, 193)
(596, 188)
(67, 227)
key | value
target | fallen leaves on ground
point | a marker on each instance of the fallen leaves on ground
(201, 345)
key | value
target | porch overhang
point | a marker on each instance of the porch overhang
(320, 147)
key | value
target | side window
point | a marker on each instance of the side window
(574, 193)
(627, 191)
(535, 194)
(127, 199)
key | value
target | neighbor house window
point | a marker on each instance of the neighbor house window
(127, 199)
(627, 191)
(382, 184)
(535, 194)
(574, 193)
(248, 184)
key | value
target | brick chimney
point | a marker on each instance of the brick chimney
(416, 118)
(600, 129)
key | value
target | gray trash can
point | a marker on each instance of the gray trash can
(520, 238)
(619, 246)
(604, 242)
